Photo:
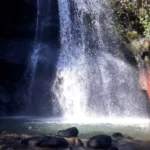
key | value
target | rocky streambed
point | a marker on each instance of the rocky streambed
(68, 139)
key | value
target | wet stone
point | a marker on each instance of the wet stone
(75, 141)
(100, 142)
(32, 141)
(70, 132)
(113, 148)
(53, 142)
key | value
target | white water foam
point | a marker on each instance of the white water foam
(92, 78)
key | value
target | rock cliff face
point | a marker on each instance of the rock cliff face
(17, 30)
(45, 55)
(17, 35)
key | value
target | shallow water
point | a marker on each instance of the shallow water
(134, 127)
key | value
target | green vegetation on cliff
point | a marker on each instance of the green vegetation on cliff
(132, 20)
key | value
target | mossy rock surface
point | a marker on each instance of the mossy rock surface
(132, 21)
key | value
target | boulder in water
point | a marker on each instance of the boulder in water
(80, 143)
(53, 142)
(70, 132)
(117, 136)
(32, 141)
(100, 142)
(75, 141)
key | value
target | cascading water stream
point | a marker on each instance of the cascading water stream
(33, 59)
(41, 60)
(92, 77)
(41, 19)
(71, 90)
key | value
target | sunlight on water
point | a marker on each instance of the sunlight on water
(134, 127)
(114, 121)
(132, 122)
(141, 122)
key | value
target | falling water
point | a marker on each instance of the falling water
(92, 76)
(33, 59)
(41, 18)
(39, 59)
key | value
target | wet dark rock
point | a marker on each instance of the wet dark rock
(80, 143)
(117, 136)
(4, 132)
(77, 148)
(32, 141)
(53, 142)
(75, 141)
(16, 36)
(130, 138)
(10, 78)
(17, 29)
(4, 95)
(8, 142)
(7, 148)
(114, 148)
(100, 142)
(70, 132)
(131, 146)
(10, 71)
(3, 111)
(124, 141)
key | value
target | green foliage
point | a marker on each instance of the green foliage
(144, 16)
(132, 18)
(132, 34)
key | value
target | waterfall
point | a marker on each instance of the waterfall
(92, 76)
